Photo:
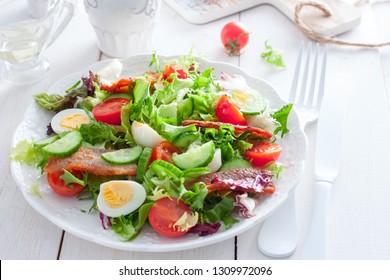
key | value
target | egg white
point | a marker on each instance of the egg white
(144, 135)
(138, 197)
(56, 120)
(216, 162)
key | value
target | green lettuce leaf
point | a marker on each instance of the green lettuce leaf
(273, 56)
(129, 226)
(281, 117)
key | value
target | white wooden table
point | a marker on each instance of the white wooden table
(359, 213)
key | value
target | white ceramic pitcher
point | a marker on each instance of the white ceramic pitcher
(123, 27)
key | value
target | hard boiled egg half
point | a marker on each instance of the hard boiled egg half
(68, 120)
(120, 197)
(144, 135)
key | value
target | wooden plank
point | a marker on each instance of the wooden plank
(76, 248)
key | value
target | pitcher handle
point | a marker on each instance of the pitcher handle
(64, 16)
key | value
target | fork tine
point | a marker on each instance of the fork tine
(305, 76)
(322, 78)
(313, 77)
(294, 86)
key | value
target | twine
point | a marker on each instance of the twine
(323, 38)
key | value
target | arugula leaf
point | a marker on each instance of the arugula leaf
(273, 56)
(69, 179)
(281, 117)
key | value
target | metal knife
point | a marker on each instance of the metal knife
(327, 164)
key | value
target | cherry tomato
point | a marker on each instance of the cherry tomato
(109, 111)
(120, 86)
(164, 151)
(263, 153)
(164, 213)
(169, 69)
(234, 37)
(227, 112)
(58, 185)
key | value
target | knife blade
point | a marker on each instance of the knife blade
(327, 164)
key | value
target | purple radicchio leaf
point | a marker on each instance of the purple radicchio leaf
(89, 81)
(205, 229)
(106, 220)
(245, 205)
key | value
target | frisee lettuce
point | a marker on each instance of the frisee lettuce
(25, 152)
(34, 190)
(273, 56)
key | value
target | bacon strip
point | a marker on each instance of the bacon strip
(89, 160)
(237, 128)
(253, 180)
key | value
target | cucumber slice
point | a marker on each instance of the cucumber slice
(143, 163)
(235, 162)
(123, 156)
(184, 140)
(46, 141)
(254, 106)
(250, 104)
(195, 157)
(64, 146)
(163, 168)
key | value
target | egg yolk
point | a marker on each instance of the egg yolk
(241, 96)
(117, 194)
(74, 121)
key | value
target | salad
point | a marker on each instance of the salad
(175, 147)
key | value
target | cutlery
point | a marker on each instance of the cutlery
(278, 236)
(327, 164)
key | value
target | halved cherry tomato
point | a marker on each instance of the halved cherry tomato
(234, 37)
(227, 112)
(120, 86)
(164, 151)
(170, 69)
(58, 185)
(164, 213)
(109, 111)
(263, 153)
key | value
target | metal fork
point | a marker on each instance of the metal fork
(278, 236)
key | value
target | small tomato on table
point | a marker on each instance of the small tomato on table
(234, 37)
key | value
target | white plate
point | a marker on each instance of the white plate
(67, 213)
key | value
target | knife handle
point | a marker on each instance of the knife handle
(315, 247)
